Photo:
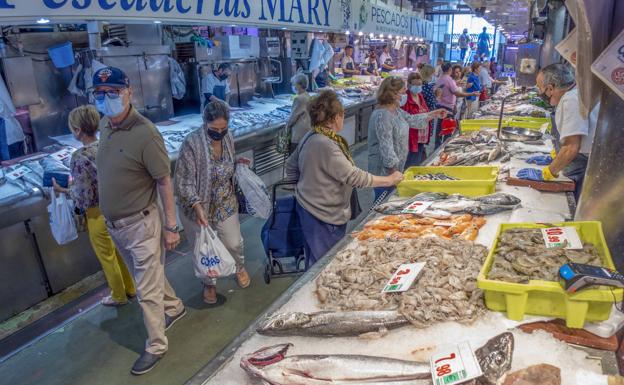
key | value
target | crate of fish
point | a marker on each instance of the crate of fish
(521, 275)
(465, 180)
(469, 125)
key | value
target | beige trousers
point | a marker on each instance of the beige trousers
(142, 246)
(228, 232)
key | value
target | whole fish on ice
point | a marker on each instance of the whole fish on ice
(331, 324)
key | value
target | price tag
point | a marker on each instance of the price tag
(609, 66)
(454, 365)
(17, 173)
(568, 47)
(61, 155)
(404, 277)
(566, 237)
(444, 223)
(417, 207)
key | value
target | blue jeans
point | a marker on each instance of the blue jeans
(415, 158)
(318, 236)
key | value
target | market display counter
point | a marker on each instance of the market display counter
(410, 343)
(36, 267)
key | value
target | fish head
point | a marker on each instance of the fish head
(282, 322)
(495, 358)
(264, 357)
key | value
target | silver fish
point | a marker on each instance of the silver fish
(495, 358)
(454, 205)
(429, 196)
(499, 199)
(331, 324)
(436, 214)
(271, 365)
(486, 209)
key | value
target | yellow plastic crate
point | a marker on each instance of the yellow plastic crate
(547, 298)
(468, 125)
(473, 180)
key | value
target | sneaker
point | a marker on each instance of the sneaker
(145, 363)
(170, 320)
(109, 301)
(210, 294)
(243, 278)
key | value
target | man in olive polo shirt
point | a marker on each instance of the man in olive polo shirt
(133, 170)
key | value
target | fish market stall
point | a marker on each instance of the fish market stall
(444, 307)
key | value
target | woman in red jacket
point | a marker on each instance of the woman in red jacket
(418, 136)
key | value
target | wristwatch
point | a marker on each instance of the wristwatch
(175, 229)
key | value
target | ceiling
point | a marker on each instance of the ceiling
(511, 15)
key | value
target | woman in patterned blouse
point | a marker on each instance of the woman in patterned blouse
(204, 185)
(83, 123)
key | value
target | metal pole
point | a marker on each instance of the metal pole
(452, 32)
(494, 43)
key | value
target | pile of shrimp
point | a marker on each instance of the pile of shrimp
(408, 226)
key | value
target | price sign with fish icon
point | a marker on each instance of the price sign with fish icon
(404, 277)
(454, 365)
(417, 207)
(17, 173)
(61, 155)
(562, 237)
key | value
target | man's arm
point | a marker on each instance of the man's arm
(570, 148)
(165, 191)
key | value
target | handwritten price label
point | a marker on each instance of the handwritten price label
(566, 237)
(17, 173)
(61, 155)
(454, 365)
(417, 207)
(404, 277)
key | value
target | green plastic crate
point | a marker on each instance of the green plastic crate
(473, 180)
(547, 298)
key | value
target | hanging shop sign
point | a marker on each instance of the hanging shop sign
(380, 18)
(326, 15)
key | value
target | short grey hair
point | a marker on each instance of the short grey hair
(301, 80)
(558, 75)
(216, 110)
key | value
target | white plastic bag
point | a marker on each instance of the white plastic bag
(62, 219)
(211, 258)
(255, 192)
(178, 82)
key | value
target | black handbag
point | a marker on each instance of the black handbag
(356, 209)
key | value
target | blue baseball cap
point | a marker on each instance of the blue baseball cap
(111, 77)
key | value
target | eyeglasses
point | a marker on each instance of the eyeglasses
(112, 94)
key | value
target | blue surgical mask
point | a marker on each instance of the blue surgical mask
(415, 89)
(110, 107)
(294, 89)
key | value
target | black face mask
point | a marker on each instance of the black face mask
(223, 77)
(216, 135)
(544, 97)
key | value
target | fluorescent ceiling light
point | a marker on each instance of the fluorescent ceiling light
(43, 20)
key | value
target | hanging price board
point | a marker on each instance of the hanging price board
(61, 155)
(404, 277)
(454, 365)
(609, 66)
(417, 207)
(17, 173)
(566, 237)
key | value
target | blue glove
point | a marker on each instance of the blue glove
(540, 160)
(531, 174)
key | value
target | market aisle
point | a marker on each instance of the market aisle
(100, 346)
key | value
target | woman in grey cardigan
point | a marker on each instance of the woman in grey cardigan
(204, 186)
(299, 122)
(388, 130)
(326, 177)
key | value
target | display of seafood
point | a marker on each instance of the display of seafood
(542, 374)
(332, 324)
(273, 366)
(472, 148)
(521, 255)
(446, 290)
(407, 226)
(445, 205)
(436, 176)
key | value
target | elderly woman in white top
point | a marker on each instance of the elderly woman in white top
(299, 122)
(388, 130)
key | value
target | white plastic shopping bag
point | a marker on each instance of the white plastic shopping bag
(255, 192)
(62, 219)
(211, 258)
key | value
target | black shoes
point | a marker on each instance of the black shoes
(145, 363)
(170, 320)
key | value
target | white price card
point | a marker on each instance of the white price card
(417, 207)
(454, 365)
(568, 47)
(609, 66)
(404, 277)
(566, 237)
(17, 173)
(61, 155)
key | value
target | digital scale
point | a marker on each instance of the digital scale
(579, 276)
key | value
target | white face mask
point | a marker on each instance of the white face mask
(110, 107)
(294, 90)
(403, 100)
